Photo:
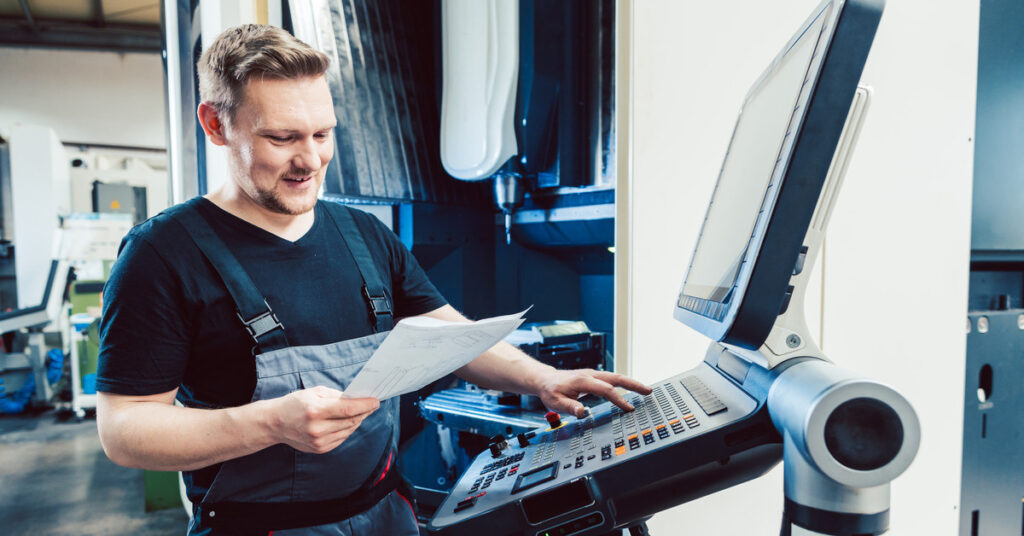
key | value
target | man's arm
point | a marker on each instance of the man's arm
(150, 432)
(507, 368)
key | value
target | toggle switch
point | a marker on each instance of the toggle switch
(524, 438)
(497, 445)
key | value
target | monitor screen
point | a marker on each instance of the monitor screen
(779, 154)
(765, 127)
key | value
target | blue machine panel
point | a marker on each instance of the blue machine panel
(999, 129)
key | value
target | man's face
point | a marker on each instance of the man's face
(280, 141)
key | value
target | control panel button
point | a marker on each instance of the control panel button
(497, 445)
(468, 502)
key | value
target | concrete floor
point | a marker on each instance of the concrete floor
(55, 480)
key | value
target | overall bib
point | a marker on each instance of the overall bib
(352, 489)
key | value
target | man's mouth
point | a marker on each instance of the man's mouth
(297, 179)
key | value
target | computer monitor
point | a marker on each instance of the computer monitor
(781, 148)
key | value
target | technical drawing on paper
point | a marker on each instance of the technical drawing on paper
(421, 350)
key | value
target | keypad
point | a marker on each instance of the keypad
(707, 400)
(656, 417)
(545, 451)
(503, 462)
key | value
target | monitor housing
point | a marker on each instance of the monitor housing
(743, 283)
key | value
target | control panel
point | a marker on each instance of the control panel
(591, 475)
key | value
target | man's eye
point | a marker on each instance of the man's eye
(278, 139)
(321, 135)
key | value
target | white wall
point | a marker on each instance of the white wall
(105, 98)
(896, 261)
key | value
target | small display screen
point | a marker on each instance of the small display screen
(765, 127)
(537, 476)
(557, 501)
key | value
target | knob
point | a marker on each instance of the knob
(497, 445)
(554, 419)
(524, 438)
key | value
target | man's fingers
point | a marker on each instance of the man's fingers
(589, 384)
(345, 408)
(592, 385)
(325, 392)
(348, 424)
(619, 380)
(606, 390)
(595, 382)
(330, 441)
(566, 405)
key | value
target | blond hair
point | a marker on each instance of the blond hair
(252, 50)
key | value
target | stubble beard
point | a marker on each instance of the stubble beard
(270, 200)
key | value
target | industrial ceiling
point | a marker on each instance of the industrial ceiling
(124, 25)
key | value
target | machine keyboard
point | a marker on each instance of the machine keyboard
(606, 437)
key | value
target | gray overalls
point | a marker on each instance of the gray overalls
(280, 490)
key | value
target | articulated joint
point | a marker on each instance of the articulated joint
(846, 438)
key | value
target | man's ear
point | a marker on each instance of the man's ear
(212, 123)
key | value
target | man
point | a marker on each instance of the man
(255, 305)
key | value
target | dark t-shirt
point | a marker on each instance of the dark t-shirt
(168, 322)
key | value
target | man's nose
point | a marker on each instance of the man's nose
(308, 155)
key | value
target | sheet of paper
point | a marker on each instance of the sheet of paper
(420, 350)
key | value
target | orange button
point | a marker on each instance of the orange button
(647, 431)
(632, 437)
(619, 451)
(674, 421)
(659, 427)
(688, 415)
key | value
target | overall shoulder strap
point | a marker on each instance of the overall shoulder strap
(251, 307)
(376, 295)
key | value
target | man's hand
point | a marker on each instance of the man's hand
(559, 389)
(317, 419)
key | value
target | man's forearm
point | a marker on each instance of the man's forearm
(163, 437)
(505, 368)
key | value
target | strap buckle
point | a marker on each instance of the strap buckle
(262, 324)
(381, 305)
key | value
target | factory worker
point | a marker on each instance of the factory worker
(255, 305)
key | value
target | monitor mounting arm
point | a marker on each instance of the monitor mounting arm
(790, 337)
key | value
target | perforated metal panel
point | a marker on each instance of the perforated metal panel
(992, 487)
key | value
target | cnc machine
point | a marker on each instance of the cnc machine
(764, 392)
